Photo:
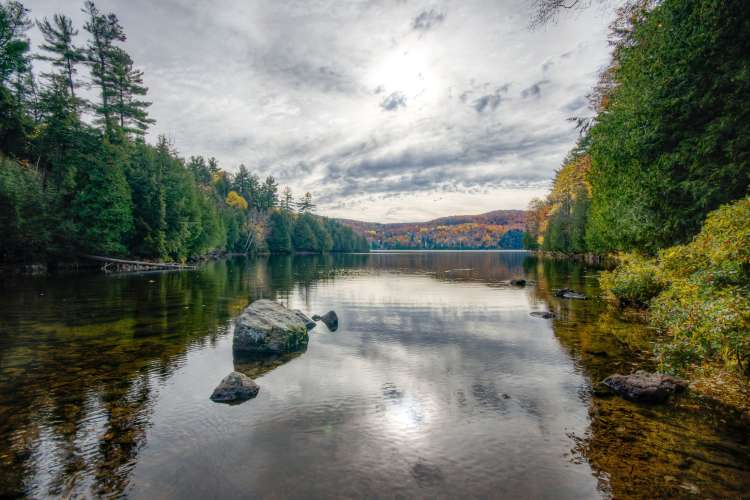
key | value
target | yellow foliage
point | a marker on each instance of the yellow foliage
(571, 180)
(235, 200)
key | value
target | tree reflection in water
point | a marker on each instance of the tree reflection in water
(84, 359)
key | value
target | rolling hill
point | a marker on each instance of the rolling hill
(491, 230)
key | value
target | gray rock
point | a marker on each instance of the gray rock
(234, 388)
(543, 314)
(644, 387)
(330, 319)
(269, 327)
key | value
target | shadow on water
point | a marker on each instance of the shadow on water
(85, 359)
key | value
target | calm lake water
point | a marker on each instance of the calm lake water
(438, 383)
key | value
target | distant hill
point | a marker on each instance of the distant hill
(496, 229)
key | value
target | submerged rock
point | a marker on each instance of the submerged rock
(644, 387)
(269, 327)
(330, 319)
(567, 293)
(543, 314)
(518, 282)
(234, 388)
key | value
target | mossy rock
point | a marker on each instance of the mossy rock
(269, 327)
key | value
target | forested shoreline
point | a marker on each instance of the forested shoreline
(660, 176)
(77, 176)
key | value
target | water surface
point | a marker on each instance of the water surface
(438, 383)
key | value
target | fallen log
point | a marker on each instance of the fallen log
(112, 264)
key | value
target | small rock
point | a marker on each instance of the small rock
(644, 387)
(594, 352)
(543, 314)
(330, 319)
(518, 282)
(690, 487)
(234, 388)
(567, 293)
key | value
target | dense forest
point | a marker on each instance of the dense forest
(492, 230)
(77, 176)
(660, 176)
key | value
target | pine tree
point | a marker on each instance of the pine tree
(14, 45)
(287, 200)
(305, 204)
(64, 54)
(126, 85)
(105, 30)
(269, 193)
(279, 240)
(303, 236)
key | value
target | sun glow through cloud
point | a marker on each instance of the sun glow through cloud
(389, 111)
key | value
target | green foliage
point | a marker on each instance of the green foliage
(103, 205)
(324, 241)
(303, 236)
(673, 141)
(513, 239)
(529, 241)
(699, 292)
(14, 45)
(345, 239)
(23, 205)
(634, 282)
(279, 233)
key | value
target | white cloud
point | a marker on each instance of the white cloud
(384, 109)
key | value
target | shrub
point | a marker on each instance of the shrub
(634, 282)
(705, 308)
(703, 323)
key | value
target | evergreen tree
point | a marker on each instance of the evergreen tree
(305, 203)
(672, 142)
(269, 194)
(63, 53)
(279, 238)
(105, 31)
(322, 236)
(287, 200)
(103, 205)
(126, 84)
(303, 236)
(14, 45)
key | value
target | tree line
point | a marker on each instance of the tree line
(78, 177)
(661, 177)
(670, 139)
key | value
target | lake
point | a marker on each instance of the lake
(438, 383)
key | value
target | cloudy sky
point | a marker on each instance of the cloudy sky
(386, 110)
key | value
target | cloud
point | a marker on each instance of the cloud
(427, 19)
(490, 102)
(534, 90)
(393, 102)
(356, 105)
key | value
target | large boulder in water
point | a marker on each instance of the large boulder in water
(269, 327)
(234, 388)
(644, 387)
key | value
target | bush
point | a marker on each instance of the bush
(634, 282)
(703, 324)
(706, 307)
